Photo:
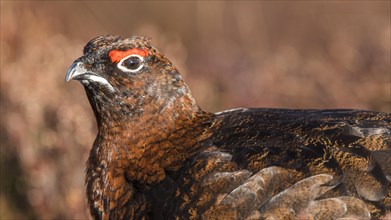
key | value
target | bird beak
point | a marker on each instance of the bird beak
(77, 69)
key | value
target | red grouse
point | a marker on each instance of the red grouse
(157, 155)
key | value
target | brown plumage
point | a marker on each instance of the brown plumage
(158, 155)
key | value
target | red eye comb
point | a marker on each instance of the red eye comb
(118, 55)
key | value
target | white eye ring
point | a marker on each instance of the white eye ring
(125, 69)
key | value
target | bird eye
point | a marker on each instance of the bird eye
(131, 63)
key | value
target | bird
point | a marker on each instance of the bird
(158, 155)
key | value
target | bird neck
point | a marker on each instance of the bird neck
(155, 140)
(139, 148)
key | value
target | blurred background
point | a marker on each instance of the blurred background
(309, 54)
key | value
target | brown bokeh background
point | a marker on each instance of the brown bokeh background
(266, 54)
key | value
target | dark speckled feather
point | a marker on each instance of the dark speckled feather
(157, 155)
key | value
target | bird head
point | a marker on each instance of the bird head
(126, 77)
